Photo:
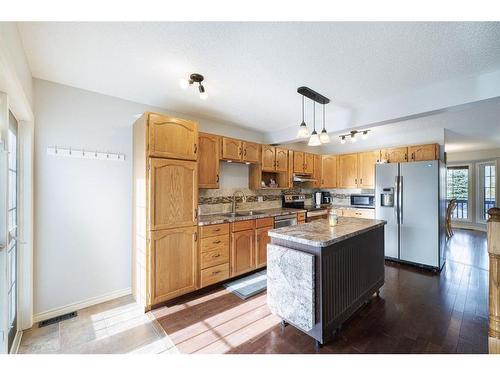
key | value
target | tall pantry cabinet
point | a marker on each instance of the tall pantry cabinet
(165, 193)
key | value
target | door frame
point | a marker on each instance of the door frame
(14, 99)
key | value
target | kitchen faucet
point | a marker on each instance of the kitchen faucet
(233, 206)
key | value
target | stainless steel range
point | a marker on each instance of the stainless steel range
(298, 201)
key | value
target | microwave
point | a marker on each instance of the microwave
(363, 200)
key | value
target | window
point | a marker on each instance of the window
(486, 189)
(458, 188)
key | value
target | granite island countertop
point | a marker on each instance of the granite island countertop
(220, 218)
(319, 233)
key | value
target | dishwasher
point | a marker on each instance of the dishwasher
(285, 220)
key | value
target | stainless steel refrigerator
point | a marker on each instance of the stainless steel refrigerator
(412, 198)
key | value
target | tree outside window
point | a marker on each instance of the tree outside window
(458, 188)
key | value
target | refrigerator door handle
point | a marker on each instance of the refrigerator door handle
(400, 198)
(396, 203)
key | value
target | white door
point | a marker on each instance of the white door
(385, 183)
(419, 226)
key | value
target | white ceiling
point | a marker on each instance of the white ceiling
(252, 70)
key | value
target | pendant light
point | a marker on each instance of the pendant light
(303, 131)
(314, 140)
(324, 137)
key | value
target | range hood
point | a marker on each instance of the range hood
(303, 178)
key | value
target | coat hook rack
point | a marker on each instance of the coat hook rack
(84, 154)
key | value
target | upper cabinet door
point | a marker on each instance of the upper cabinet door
(424, 152)
(367, 161)
(281, 160)
(317, 172)
(268, 158)
(298, 162)
(395, 155)
(173, 193)
(251, 152)
(170, 137)
(328, 171)
(348, 171)
(231, 149)
(208, 162)
(308, 163)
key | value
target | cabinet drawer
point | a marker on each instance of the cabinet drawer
(214, 230)
(214, 257)
(214, 274)
(265, 222)
(214, 243)
(238, 226)
(364, 214)
(301, 216)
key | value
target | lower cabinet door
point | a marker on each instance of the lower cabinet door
(173, 263)
(261, 241)
(242, 252)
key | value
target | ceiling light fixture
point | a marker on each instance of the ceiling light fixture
(303, 131)
(324, 137)
(314, 140)
(194, 78)
(353, 135)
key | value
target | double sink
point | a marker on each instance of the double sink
(242, 213)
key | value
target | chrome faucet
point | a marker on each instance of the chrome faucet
(233, 206)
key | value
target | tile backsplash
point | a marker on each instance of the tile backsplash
(220, 200)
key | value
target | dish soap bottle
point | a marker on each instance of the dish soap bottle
(332, 217)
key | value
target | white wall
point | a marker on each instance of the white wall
(83, 207)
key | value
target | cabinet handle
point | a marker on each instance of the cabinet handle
(355, 181)
(195, 236)
(215, 273)
(216, 242)
(217, 177)
(406, 156)
(361, 181)
(217, 230)
(412, 156)
(195, 148)
(245, 152)
(196, 213)
(216, 256)
(240, 151)
(277, 164)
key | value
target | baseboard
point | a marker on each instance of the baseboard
(80, 305)
(17, 341)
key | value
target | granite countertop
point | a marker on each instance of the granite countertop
(219, 218)
(318, 233)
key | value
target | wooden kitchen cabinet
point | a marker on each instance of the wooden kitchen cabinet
(242, 252)
(251, 152)
(268, 158)
(366, 169)
(261, 241)
(170, 137)
(231, 149)
(328, 171)
(298, 162)
(423, 152)
(281, 159)
(173, 263)
(208, 163)
(395, 155)
(173, 193)
(308, 163)
(348, 171)
(317, 172)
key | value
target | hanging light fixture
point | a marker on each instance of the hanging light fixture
(303, 131)
(194, 78)
(324, 137)
(314, 140)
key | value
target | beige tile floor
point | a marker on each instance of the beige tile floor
(117, 326)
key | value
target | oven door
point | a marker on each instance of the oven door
(316, 215)
(285, 221)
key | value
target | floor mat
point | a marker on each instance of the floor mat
(248, 286)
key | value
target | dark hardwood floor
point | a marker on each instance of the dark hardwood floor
(417, 312)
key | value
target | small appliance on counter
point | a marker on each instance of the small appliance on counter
(298, 201)
(317, 198)
(326, 197)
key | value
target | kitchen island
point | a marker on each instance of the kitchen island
(318, 276)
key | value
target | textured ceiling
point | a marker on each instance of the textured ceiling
(253, 69)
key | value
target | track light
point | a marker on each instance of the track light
(365, 134)
(353, 135)
(194, 78)
(342, 140)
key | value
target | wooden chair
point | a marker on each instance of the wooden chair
(449, 210)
